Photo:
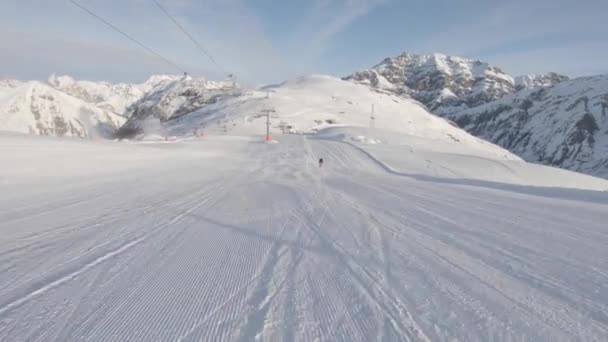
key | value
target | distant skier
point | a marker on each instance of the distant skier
(320, 162)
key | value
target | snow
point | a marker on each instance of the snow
(64, 106)
(6, 85)
(554, 122)
(34, 107)
(537, 81)
(113, 97)
(175, 97)
(228, 238)
(444, 94)
(312, 103)
(445, 84)
(451, 162)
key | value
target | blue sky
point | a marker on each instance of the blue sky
(264, 41)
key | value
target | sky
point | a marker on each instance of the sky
(269, 41)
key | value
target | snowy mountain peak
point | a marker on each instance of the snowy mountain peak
(175, 97)
(169, 95)
(445, 84)
(116, 97)
(61, 81)
(155, 80)
(563, 125)
(37, 108)
(6, 85)
(544, 118)
(539, 80)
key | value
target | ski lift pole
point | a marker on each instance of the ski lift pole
(268, 111)
(268, 126)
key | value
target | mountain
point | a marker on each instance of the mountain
(545, 118)
(564, 125)
(37, 108)
(113, 97)
(445, 84)
(171, 99)
(64, 106)
(313, 103)
(6, 85)
(537, 81)
(232, 239)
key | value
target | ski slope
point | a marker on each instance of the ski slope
(230, 239)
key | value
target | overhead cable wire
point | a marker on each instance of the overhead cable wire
(192, 39)
(114, 27)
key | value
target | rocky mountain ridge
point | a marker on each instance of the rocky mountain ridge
(547, 118)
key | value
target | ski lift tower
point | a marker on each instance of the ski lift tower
(267, 111)
(232, 80)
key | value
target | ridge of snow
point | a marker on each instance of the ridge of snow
(176, 97)
(429, 77)
(37, 108)
(311, 103)
(539, 80)
(116, 97)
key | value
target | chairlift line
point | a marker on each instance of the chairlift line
(193, 40)
(114, 27)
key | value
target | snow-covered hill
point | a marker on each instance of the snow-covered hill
(230, 239)
(565, 125)
(311, 103)
(538, 81)
(544, 118)
(174, 98)
(113, 97)
(6, 85)
(68, 98)
(37, 108)
(445, 84)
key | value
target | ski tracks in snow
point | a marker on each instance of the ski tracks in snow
(444, 243)
(277, 249)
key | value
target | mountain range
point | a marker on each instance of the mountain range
(546, 118)
(37, 108)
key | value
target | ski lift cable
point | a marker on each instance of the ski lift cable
(114, 27)
(193, 40)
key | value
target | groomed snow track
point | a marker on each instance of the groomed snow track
(270, 247)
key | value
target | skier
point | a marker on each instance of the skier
(320, 162)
